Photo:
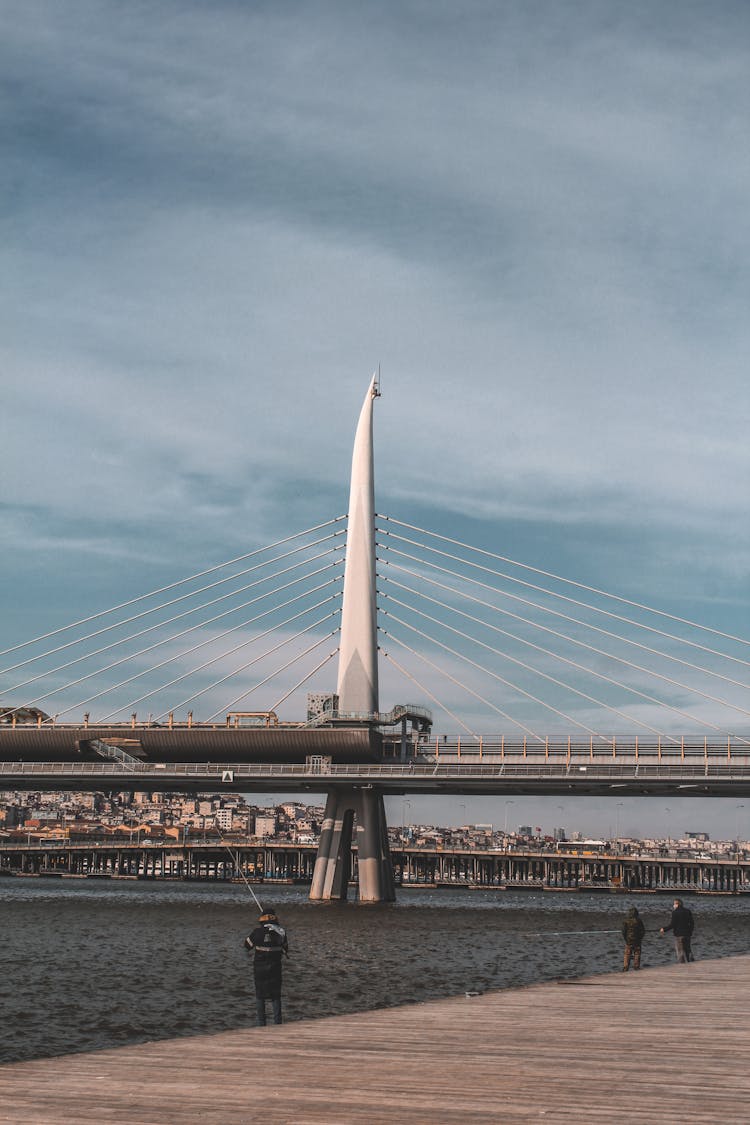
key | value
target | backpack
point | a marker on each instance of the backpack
(274, 936)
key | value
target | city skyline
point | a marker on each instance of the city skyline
(578, 816)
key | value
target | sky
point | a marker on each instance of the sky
(218, 220)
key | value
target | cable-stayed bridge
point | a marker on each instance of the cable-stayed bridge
(502, 661)
(226, 678)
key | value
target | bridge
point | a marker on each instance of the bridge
(707, 771)
(284, 862)
(515, 641)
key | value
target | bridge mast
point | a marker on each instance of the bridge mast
(358, 696)
(358, 651)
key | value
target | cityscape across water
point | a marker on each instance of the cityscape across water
(222, 838)
(187, 819)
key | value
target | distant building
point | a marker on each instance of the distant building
(224, 818)
(11, 816)
(265, 826)
(294, 810)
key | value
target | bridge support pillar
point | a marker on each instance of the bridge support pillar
(333, 862)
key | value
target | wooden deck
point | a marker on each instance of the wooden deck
(669, 1044)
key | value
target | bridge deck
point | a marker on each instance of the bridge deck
(633, 777)
(666, 1044)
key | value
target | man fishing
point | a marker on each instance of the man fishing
(632, 932)
(269, 944)
(682, 925)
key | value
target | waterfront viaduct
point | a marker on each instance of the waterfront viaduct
(280, 862)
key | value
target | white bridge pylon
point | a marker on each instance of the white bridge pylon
(358, 644)
(358, 695)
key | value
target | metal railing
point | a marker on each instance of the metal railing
(376, 718)
(231, 771)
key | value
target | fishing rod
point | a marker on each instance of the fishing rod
(238, 867)
(245, 879)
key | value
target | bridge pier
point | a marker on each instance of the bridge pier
(333, 862)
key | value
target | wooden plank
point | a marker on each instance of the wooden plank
(666, 1044)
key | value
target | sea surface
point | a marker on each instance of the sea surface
(88, 964)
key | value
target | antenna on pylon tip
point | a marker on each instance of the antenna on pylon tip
(376, 391)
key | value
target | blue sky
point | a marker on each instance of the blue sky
(218, 219)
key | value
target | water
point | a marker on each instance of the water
(86, 965)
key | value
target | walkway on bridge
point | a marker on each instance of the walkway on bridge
(664, 1045)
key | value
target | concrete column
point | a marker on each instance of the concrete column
(358, 644)
(333, 863)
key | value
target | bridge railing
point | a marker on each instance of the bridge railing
(216, 773)
(592, 750)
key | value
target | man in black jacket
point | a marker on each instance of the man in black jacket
(269, 944)
(682, 925)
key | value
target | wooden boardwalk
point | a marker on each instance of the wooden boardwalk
(669, 1044)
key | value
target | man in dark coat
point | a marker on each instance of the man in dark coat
(632, 931)
(269, 944)
(682, 925)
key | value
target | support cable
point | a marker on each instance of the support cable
(189, 613)
(207, 664)
(500, 679)
(250, 663)
(275, 706)
(564, 598)
(568, 582)
(566, 660)
(138, 675)
(465, 687)
(277, 672)
(428, 693)
(171, 586)
(176, 601)
(569, 687)
(544, 609)
(170, 659)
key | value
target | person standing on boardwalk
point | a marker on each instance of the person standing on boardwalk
(269, 944)
(682, 925)
(632, 931)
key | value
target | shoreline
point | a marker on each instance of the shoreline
(615, 891)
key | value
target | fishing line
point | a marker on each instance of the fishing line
(567, 933)
(244, 877)
(237, 867)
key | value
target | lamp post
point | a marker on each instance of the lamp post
(669, 834)
(505, 819)
(404, 805)
(617, 825)
(737, 830)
